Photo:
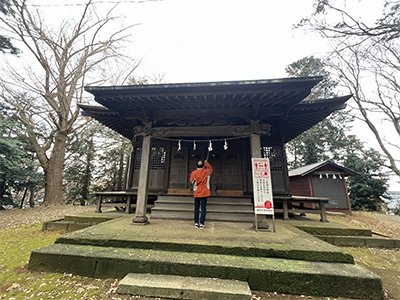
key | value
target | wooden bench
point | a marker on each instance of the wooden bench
(113, 195)
(302, 200)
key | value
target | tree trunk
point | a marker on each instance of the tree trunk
(32, 197)
(53, 173)
(121, 166)
(23, 198)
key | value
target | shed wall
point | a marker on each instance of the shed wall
(300, 186)
(334, 189)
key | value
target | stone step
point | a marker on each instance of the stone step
(179, 287)
(76, 222)
(204, 245)
(359, 241)
(90, 218)
(262, 274)
(345, 231)
(61, 225)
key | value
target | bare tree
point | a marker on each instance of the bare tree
(366, 58)
(45, 95)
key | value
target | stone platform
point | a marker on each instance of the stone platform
(288, 261)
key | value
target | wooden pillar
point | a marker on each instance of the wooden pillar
(141, 202)
(255, 146)
(255, 149)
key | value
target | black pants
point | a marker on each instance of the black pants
(203, 209)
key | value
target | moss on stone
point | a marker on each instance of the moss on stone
(268, 274)
(318, 230)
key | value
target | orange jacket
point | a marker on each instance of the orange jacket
(201, 181)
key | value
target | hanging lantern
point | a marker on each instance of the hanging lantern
(179, 145)
(225, 145)
(210, 146)
(194, 145)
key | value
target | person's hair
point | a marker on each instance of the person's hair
(200, 164)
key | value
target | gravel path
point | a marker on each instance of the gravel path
(27, 216)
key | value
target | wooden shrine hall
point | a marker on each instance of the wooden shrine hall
(172, 126)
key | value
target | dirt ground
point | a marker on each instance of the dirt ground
(384, 262)
(27, 216)
(380, 223)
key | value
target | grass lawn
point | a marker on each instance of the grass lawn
(17, 282)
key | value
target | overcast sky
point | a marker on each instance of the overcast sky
(212, 40)
(216, 40)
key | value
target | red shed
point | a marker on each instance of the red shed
(323, 179)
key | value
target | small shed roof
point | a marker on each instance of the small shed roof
(302, 171)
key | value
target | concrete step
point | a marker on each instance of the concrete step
(210, 199)
(211, 216)
(180, 287)
(262, 274)
(215, 207)
(210, 209)
(179, 202)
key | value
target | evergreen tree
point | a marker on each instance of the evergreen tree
(328, 140)
(112, 161)
(79, 166)
(5, 43)
(367, 191)
(17, 162)
(313, 145)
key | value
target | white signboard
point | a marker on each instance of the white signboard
(262, 187)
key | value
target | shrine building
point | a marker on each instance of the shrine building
(172, 126)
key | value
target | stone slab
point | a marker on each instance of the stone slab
(263, 274)
(217, 238)
(351, 241)
(339, 231)
(90, 218)
(180, 287)
(63, 225)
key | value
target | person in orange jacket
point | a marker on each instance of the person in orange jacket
(200, 178)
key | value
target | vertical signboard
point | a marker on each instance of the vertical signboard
(262, 188)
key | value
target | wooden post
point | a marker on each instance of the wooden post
(255, 149)
(141, 202)
(323, 211)
(285, 209)
(98, 206)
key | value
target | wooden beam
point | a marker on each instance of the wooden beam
(211, 131)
